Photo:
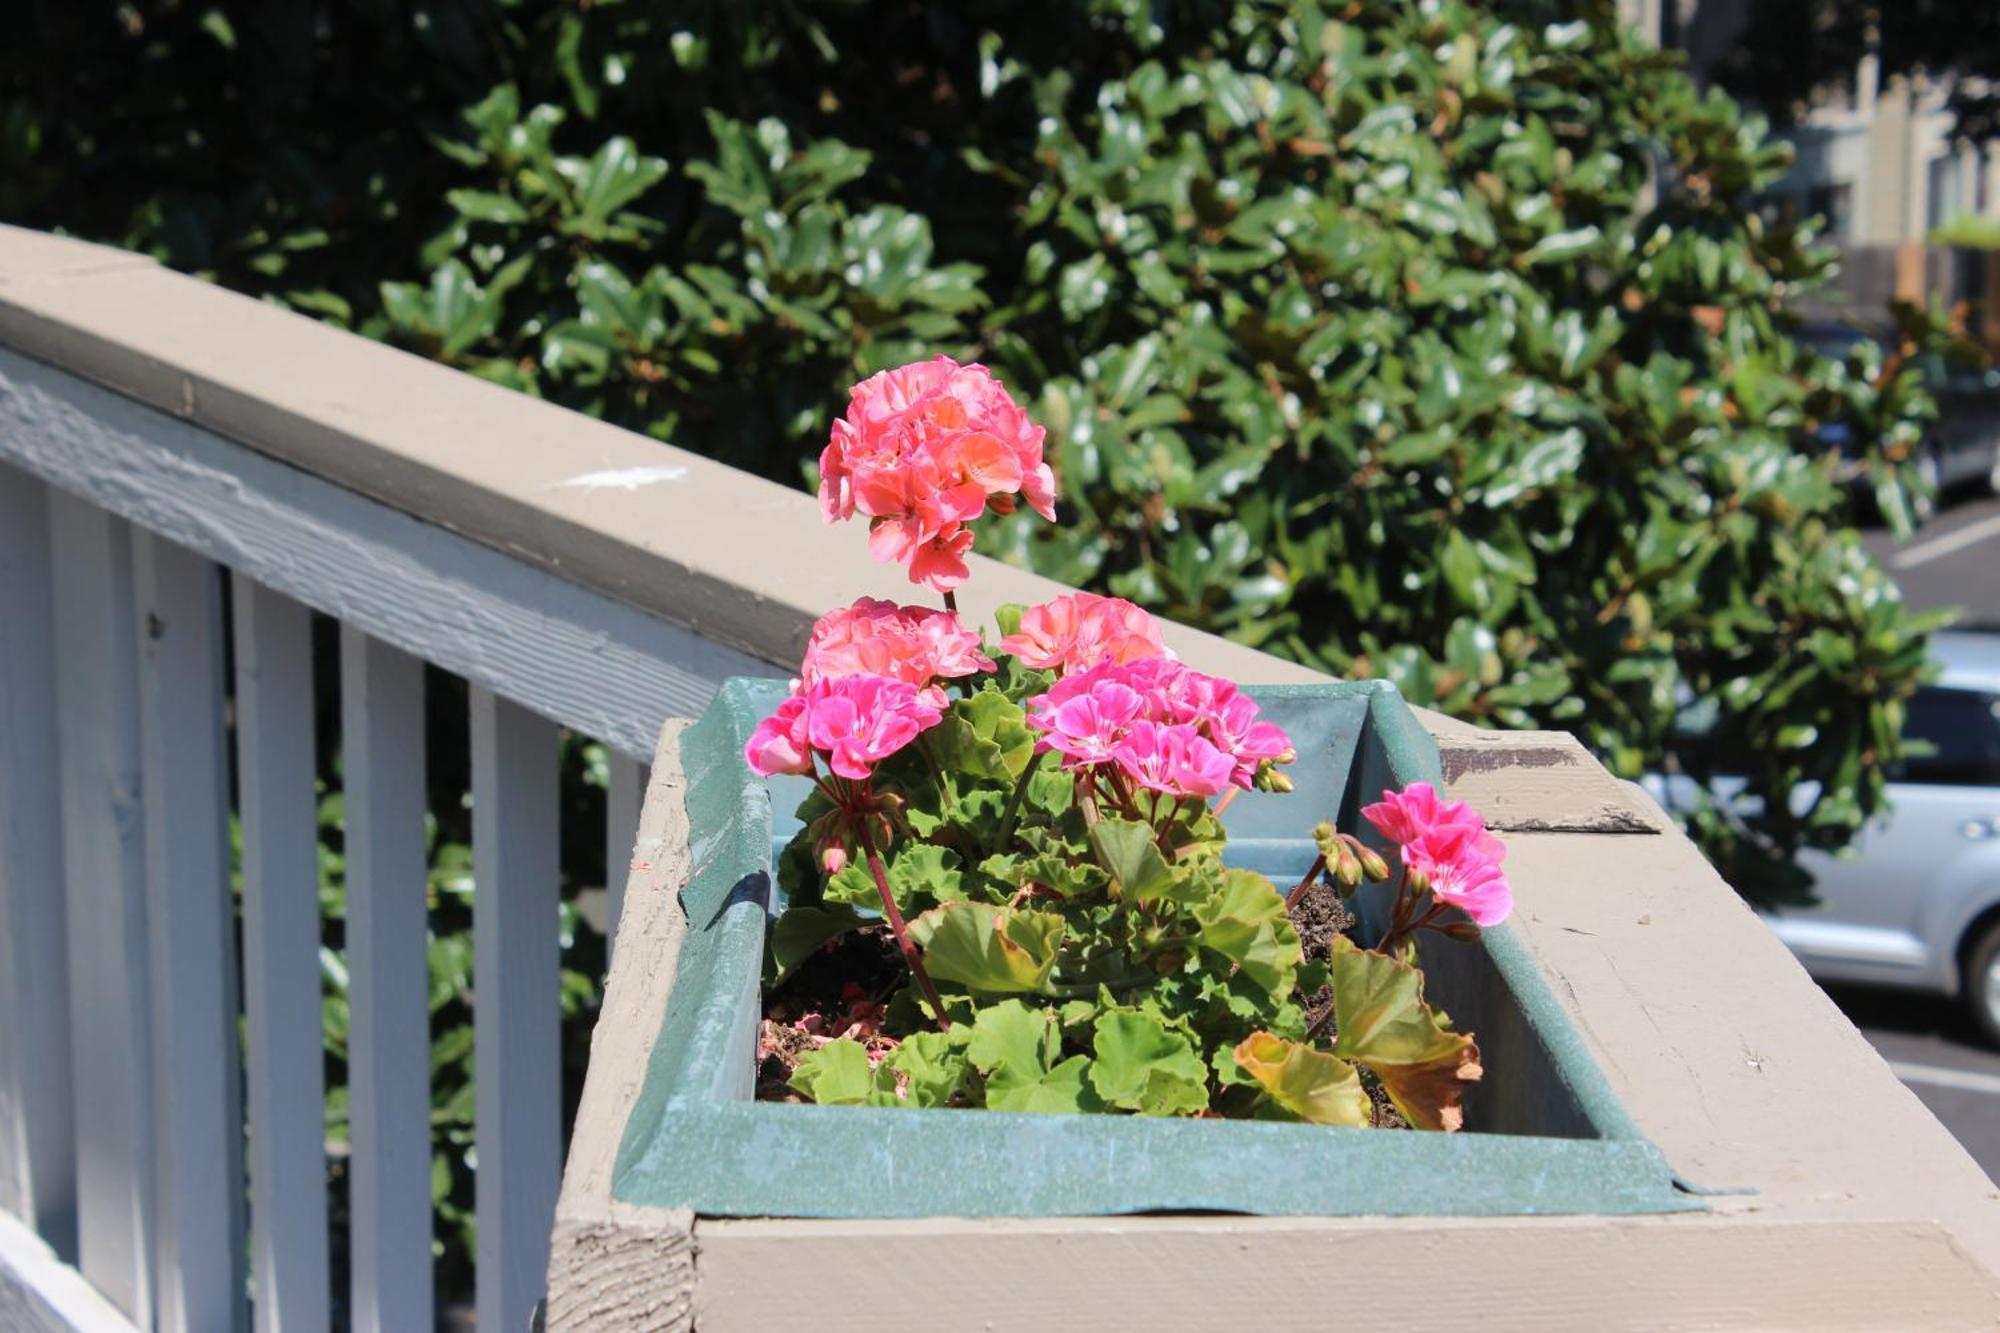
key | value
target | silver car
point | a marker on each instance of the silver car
(1915, 903)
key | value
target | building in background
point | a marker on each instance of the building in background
(1875, 154)
(1875, 159)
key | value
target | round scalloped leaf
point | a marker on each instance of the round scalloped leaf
(1016, 1048)
(994, 950)
(1143, 1065)
(1247, 924)
(838, 1074)
(933, 1062)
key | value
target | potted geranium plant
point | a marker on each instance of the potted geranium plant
(1012, 887)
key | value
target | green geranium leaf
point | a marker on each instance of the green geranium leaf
(996, 950)
(921, 875)
(1246, 923)
(799, 932)
(1051, 790)
(1063, 1089)
(1065, 875)
(1309, 1084)
(838, 1074)
(1143, 1065)
(933, 1062)
(1384, 1025)
(1016, 1048)
(1126, 850)
(985, 736)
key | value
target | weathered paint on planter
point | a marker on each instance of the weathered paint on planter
(1549, 1136)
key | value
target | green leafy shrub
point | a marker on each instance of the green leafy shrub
(1433, 341)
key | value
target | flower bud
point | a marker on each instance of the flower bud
(1463, 931)
(834, 857)
(1347, 868)
(1372, 863)
(1270, 779)
(1326, 841)
(1418, 882)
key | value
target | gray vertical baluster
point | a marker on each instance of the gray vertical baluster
(281, 978)
(516, 962)
(37, 1136)
(197, 1088)
(97, 727)
(623, 795)
(388, 1060)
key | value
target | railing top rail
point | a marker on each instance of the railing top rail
(738, 559)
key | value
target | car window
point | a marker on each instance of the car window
(1961, 729)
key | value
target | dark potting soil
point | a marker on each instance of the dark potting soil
(838, 992)
(1318, 916)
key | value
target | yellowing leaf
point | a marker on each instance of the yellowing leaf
(1384, 1025)
(1310, 1084)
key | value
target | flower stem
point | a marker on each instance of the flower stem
(902, 933)
(1292, 898)
(1086, 796)
(1401, 923)
(1013, 810)
(1163, 836)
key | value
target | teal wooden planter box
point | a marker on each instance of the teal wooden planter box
(1544, 1132)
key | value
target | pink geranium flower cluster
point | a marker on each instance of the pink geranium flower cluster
(1446, 842)
(1081, 630)
(855, 721)
(907, 643)
(1160, 724)
(922, 451)
(867, 687)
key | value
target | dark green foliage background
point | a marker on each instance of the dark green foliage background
(1431, 341)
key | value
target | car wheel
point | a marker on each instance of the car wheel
(1981, 983)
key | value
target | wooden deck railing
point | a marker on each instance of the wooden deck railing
(185, 477)
(117, 554)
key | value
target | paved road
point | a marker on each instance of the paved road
(1953, 561)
